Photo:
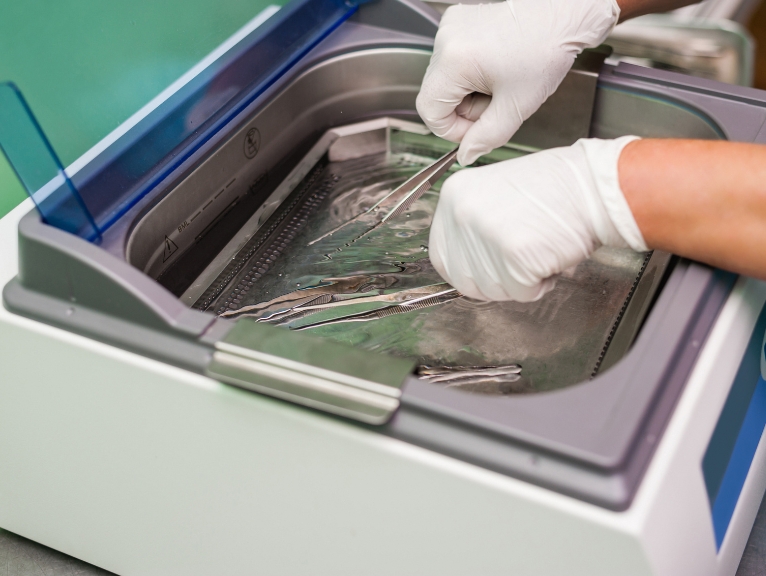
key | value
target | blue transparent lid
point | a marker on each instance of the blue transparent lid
(103, 191)
(38, 167)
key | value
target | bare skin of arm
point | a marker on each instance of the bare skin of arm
(632, 8)
(700, 199)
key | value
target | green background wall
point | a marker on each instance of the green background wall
(85, 66)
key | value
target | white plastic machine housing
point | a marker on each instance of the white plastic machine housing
(142, 467)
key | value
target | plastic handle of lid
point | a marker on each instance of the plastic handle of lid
(39, 169)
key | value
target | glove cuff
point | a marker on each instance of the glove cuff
(603, 157)
(612, 10)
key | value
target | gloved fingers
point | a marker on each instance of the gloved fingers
(521, 293)
(509, 290)
(458, 280)
(463, 284)
(439, 98)
(499, 121)
(473, 106)
(476, 268)
(461, 277)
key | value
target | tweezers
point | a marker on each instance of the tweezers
(462, 375)
(321, 304)
(404, 196)
(401, 308)
(323, 292)
(419, 184)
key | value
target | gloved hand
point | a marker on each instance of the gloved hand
(504, 231)
(494, 65)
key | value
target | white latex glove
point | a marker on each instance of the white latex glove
(504, 231)
(517, 52)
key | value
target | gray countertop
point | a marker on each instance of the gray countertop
(22, 557)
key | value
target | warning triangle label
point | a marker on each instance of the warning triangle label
(170, 249)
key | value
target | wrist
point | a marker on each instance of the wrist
(632, 8)
(603, 158)
(597, 19)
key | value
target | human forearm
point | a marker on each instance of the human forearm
(632, 8)
(507, 230)
(700, 199)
